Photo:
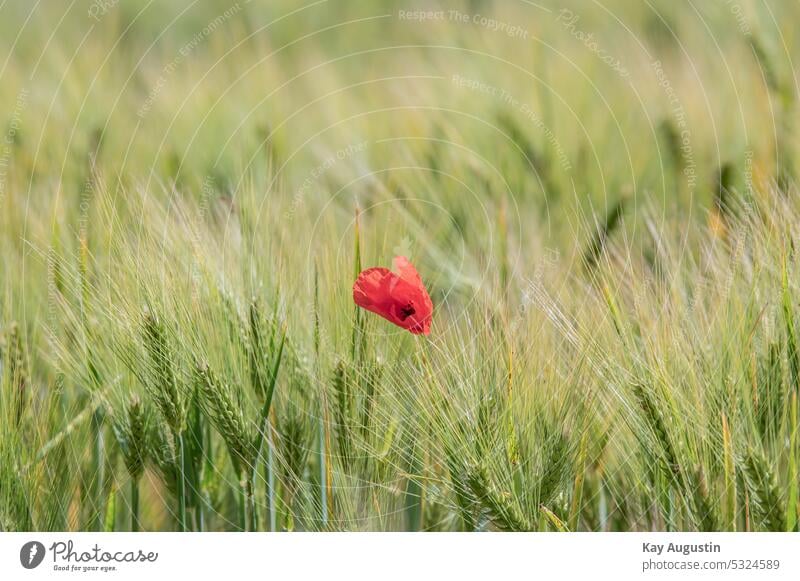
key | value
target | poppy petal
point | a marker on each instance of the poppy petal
(406, 270)
(371, 288)
(399, 297)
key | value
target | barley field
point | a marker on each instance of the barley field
(600, 198)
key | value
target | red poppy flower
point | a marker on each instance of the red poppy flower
(398, 297)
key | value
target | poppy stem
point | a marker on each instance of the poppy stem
(358, 324)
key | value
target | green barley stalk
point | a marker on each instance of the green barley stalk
(413, 494)
(371, 378)
(341, 391)
(98, 467)
(228, 418)
(502, 233)
(264, 427)
(612, 222)
(258, 347)
(788, 317)
(164, 388)
(655, 422)
(763, 492)
(512, 448)
(794, 366)
(195, 441)
(269, 469)
(793, 502)
(723, 187)
(669, 134)
(15, 356)
(768, 393)
(577, 488)
(501, 506)
(97, 423)
(783, 93)
(294, 444)
(553, 519)
(466, 504)
(729, 503)
(167, 395)
(321, 430)
(131, 433)
(556, 468)
(533, 159)
(109, 523)
(703, 508)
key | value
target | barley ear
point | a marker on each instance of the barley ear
(763, 491)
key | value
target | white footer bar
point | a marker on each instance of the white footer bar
(371, 556)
